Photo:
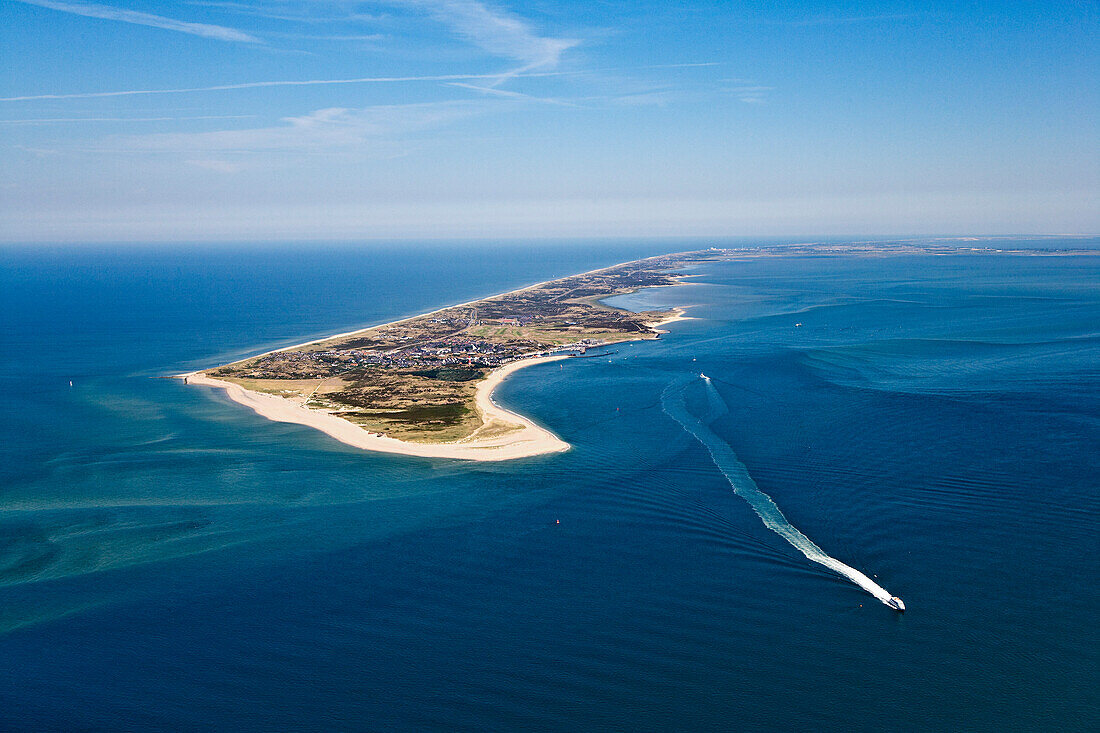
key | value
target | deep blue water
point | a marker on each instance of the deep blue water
(170, 561)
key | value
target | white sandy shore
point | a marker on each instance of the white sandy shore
(678, 314)
(506, 435)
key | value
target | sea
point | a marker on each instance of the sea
(170, 561)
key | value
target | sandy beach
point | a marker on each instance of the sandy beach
(678, 314)
(504, 435)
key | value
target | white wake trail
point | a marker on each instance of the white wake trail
(672, 401)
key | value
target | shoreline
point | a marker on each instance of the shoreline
(511, 435)
(678, 314)
(523, 440)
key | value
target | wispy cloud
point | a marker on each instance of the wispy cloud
(334, 128)
(752, 94)
(294, 12)
(491, 28)
(62, 120)
(322, 82)
(353, 37)
(498, 32)
(279, 83)
(107, 12)
(495, 92)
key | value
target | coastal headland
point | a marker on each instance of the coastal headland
(423, 385)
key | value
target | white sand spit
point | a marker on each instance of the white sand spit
(503, 436)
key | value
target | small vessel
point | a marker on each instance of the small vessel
(704, 376)
(896, 604)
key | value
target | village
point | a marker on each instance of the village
(455, 351)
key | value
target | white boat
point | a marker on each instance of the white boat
(704, 376)
(896, 604)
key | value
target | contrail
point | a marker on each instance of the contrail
(672, 401)
(107, 12)
(323, 82)
(253, 85)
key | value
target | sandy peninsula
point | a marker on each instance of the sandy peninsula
(406, 387)
(503, 436)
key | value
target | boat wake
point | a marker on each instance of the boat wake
(672, 402)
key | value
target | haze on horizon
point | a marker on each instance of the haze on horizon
(132, 120)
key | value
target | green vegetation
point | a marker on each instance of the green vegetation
(451, 374)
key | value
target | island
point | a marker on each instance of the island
(423, 385)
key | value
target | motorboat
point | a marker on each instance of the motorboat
(896, 604)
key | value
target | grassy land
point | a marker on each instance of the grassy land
(291, 387)
(433, 408)
(439, 424)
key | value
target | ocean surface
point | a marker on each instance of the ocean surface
(171, 561)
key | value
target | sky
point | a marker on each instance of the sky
(229, 120)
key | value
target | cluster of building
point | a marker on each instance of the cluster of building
(450, 352)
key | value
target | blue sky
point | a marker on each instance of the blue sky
(299, 119)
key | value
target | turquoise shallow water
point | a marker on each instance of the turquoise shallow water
(169, 560)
